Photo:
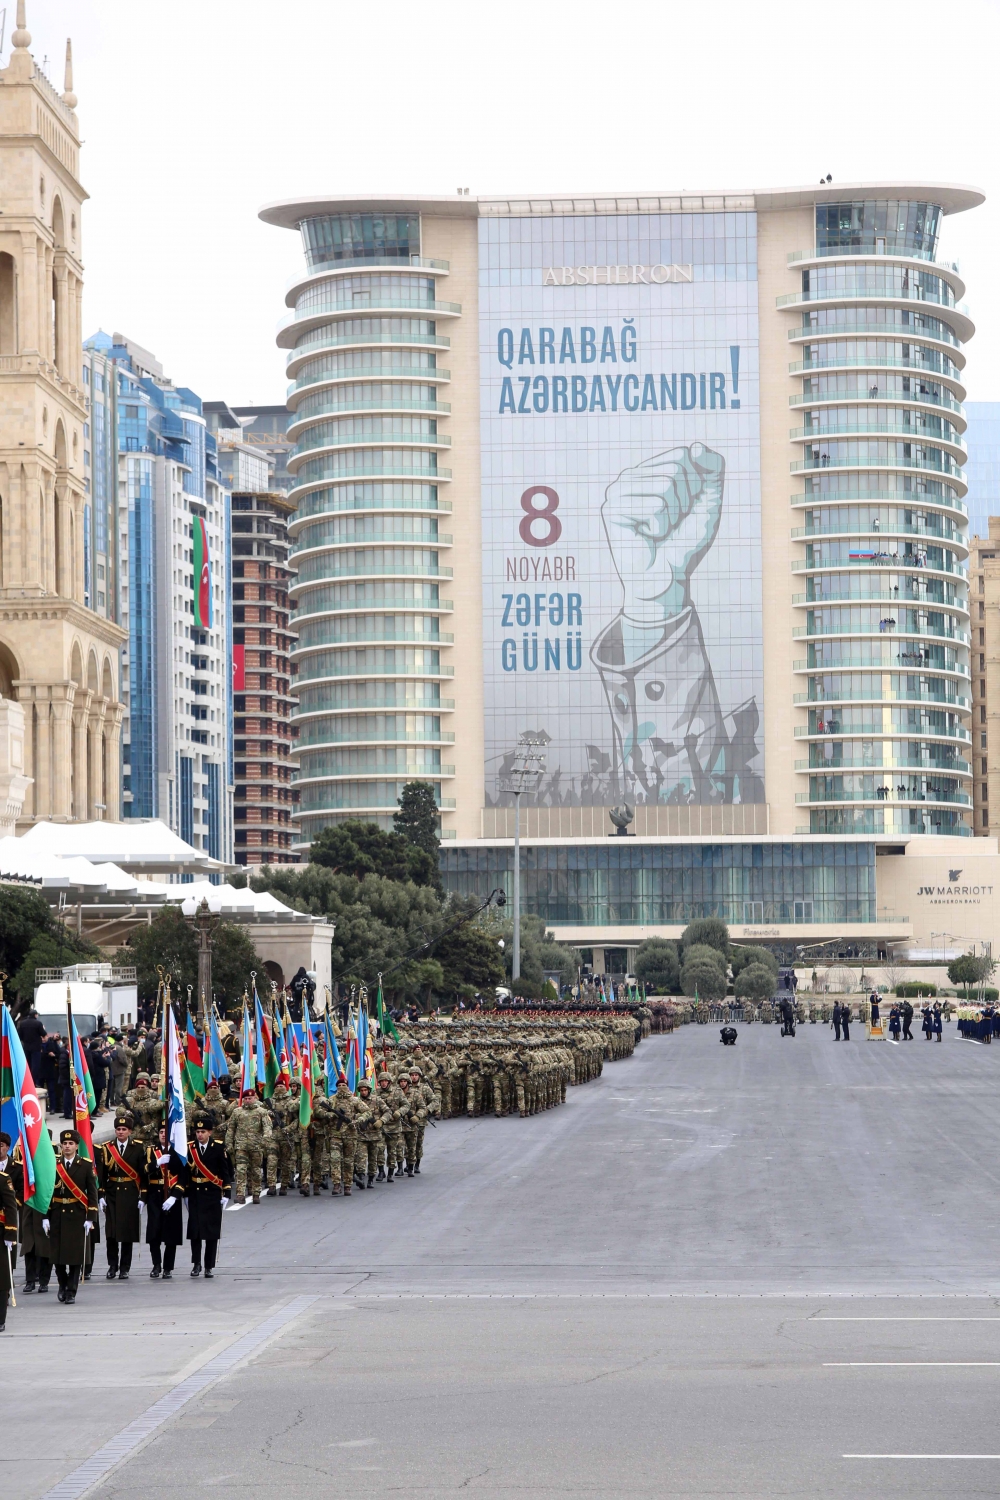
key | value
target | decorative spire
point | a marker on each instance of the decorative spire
(69, 98)
(21, 38)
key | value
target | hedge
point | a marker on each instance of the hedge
(972, 997)
(915, 991)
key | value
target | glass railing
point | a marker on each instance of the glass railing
(803, 632)
(436, 606)
(873, 362)
(374, 539)
(388, 570)
(884, 596)
(403, 737)
(903, 661)
(373, 440)
(886, 695)
(915, 501)
(399, 469)
(402, 263)
(417, 705)
(421, 340)
(884, 398)
(910, 461)
(961, 799)
(891, 529)
(377, 773)
(423, 305)
(852, 732)
(369, 372)
(818, 763)
(884, 330)
(878, 429)
(890, 560)
(375, 670)
(341, 503)
(868, 294)
(333, 408)
(377, 638)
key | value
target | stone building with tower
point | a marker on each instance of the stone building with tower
(60, 714)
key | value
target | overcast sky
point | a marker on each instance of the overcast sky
(197, 112)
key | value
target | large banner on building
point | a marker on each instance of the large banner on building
(621, 505)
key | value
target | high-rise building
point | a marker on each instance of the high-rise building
(982, 469)
(700, 458)
(265, 428)
(173, 528)
(59, 655)
(262, 729)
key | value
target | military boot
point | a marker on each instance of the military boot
(240, 1198)
(371, 1180)
(256, 1197)
(381, 1174)
(282, 1191)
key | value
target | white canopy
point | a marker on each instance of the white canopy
(136, 845)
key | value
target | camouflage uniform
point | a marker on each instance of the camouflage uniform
(394, 1108)
(247, 1135)
(146, 1110)
(367, 1159)
(348, 1114)
(284, 1134)
(423, 1104)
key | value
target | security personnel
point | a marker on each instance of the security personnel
(72, 1215)
(210, 1176)
(121, 1178)
(8, 1233)
(166, 1176)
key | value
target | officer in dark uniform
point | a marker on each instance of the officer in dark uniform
(121, 1178)
(845, 1022)
(8, 1235)
(210, 1176)
(836, 1020)
(166, 1176)
(72, 1214)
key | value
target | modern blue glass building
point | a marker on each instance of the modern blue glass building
(176, 674)
(982, 439)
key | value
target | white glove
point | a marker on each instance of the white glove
(141, 1205)
(225, 1202)
(87, 1227)
(45, 1225)
(161, 1161)
(102, 1204)
(168, 1203)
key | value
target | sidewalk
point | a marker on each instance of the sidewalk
(103, 1128)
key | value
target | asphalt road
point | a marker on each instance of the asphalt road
(752, 1271)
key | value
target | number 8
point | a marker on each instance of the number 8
(533, 513)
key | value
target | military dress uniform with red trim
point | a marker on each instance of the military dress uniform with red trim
(8, 1241)
(121, 1177)
(165, 1180)
(73, 1206)
(210, 1177)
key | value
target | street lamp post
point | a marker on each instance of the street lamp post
(527, 767)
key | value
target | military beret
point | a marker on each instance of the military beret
(69, 1135)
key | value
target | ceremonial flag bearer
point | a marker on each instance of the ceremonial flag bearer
(210, 1177)
(72, 1215)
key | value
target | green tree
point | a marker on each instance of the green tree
(705, 978)
(742, 955)
(755, 981)
(360, 849)
(234, 959)
(703, 953)
(540, 953)
(470, 956)
(170, 943)
(419, 819)
(56, 949)
(656, 966)
(967, 971)
(26, 922)
(711, 932)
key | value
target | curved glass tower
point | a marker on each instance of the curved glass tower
(367, 342)
(884, 606)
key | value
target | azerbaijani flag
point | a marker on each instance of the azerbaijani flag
(248, 1073)
(194, 1064)
(216, 1063)
(296, 1056)
(84, 1100)
(174, 1070)
(203, 615)
(334, 1067)
(306, 1079)
(352, 1057)
(281, 1049)
(267, 1062)
(386, 1024)
(21, 1117)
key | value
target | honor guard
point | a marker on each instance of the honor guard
(72, 1215)
(121, 1180)
(210, 1177)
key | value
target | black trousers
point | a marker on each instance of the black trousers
(119, 1255)
(846, 1028)
(68, 1277)
(211, 1251)
(164, 1261)
(907, 1033)
(37, 1268)
(836, 1031)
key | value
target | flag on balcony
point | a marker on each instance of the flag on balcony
(203, 617)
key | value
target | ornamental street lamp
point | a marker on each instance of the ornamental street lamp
(523, 776)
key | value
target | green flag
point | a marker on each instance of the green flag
(386, 1024)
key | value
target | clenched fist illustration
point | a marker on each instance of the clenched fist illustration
(661, 517)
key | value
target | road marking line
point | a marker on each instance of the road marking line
(912, 1364)
(125, 1443)
(903, 1320)
(920, 1455)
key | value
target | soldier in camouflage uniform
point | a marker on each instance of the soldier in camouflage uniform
(284, 1135)
(247, 1135)
(422, 1100)
(349, 1114)
(370, 1143)
(146, 1110)
(394, 1109)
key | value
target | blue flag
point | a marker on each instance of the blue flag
(216, 1062)
(334, 1066)
(248, 1073)
(173, 1086)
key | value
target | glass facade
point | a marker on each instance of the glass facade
(896, 521)
(983, 468)
(361, 388)
(627, 883)
(889, 227)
